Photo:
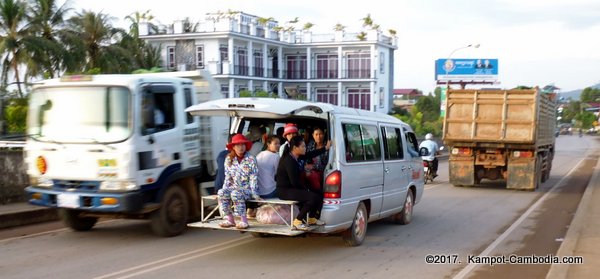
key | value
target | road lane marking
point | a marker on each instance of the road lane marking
(47, 232)
(144, 268)
(465, 271)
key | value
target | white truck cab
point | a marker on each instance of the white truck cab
(115, 145)
(374, 169)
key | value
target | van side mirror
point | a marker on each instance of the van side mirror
(423, 151)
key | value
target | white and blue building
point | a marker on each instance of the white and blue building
(246, 52)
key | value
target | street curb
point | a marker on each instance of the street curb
(569, 244)
(21, 218)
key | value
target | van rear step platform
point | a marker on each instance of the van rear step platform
(254, 226)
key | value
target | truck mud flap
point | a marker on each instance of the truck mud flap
(521, 174)
(462, 171)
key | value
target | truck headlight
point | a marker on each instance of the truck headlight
(43, 182)
(118, 185)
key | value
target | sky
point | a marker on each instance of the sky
(536, 42)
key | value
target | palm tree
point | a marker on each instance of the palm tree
(47, 21)
(91, 35)
(145, 56)
(367, 21)
(14, 34)
(135, 19)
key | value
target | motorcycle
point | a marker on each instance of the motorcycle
(428, 170)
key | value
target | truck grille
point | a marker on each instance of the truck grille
(85, 186)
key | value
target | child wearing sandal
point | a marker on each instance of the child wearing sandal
(241, 176)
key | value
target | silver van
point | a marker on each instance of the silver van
(374, 171)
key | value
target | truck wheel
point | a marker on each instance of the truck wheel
(172, 216)
(72, 219)
(405, 216)
(355, 235)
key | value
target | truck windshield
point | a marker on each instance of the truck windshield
(93, 114)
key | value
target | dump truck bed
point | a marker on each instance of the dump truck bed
(499, 116)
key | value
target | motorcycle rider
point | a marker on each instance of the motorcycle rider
(433, 148)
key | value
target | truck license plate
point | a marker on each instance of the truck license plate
(68, 200)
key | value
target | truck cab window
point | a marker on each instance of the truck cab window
(158, 109)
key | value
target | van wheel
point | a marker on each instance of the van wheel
(73, 220)
(405, 216)
(355, 235)
(171, 218)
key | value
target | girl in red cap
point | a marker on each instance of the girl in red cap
(241, 176)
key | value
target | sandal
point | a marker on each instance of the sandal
(241, 225)
(226, 224)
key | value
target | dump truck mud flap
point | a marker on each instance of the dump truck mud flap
(521, 174)
(462, 171)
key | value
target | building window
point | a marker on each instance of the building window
(327, 95)
(359, 98)
(296, 66)
(327, 66)
(241, 63)
(200, 56)
(224, 53)
(171, 58)
(381, 98)
(225, 90)
(381, 62)
(258, 63)
(359, 65)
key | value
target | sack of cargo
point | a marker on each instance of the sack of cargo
(275, 213)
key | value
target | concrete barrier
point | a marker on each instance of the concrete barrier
(13, 176)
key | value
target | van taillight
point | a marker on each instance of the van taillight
(333, 185)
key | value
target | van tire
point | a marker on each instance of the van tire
(172, 216)
(72, 219)
(356, 234)
(405, 216)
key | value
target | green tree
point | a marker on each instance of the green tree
(146, 56)
(590, 95)
(47, 21)
(16, 115)
(586, 119)
(91, 35)
(15, 35)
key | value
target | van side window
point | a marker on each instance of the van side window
(361, 142)
(393, 143)
(411, 144)
(370, 141)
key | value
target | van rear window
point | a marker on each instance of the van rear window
(361, 142)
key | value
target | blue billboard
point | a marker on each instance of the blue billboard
(478, 69)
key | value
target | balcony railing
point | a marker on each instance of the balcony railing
(240, 70)
(363, 73)
(296, 74)
(324, 74)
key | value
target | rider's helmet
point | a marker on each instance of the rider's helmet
(428, 136)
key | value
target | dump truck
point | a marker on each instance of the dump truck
(500, 134)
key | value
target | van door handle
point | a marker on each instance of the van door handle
(387, 170)
(403, 167)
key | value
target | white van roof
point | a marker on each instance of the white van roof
(276, 108)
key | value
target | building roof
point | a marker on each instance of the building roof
(406, 91)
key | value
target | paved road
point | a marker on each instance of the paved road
(487, 220)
